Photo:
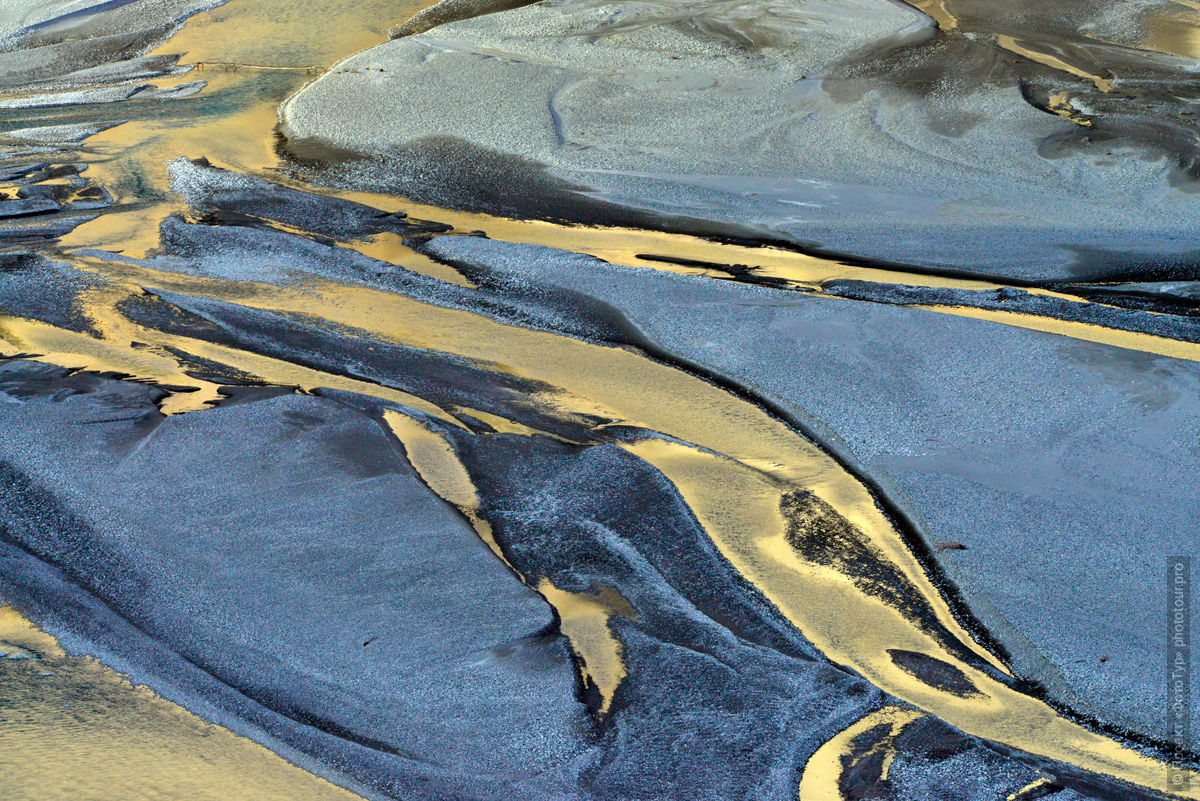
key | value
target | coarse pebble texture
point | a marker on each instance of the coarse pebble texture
(184, 550)
(38, 289)
(1061, 465)
(273, 561)
(285, 548)
(86, 41)
(770, 117)
(302, 588)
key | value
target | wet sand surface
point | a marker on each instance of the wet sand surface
(363, 440)
(1020, 140)
(66, 716)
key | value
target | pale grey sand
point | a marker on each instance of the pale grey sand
(1062, 465)
(66, 72)
(57, 134)
(761, 116)
(109, 94)
(277, 566)
(301, 573)
(42, 41)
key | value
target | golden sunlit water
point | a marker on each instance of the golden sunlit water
(70, 728)
(825, 768)
(1174, 29)
(735, 465)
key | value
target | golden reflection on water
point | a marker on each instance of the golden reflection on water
(234, 125)
(733, 463)
(390, 247)
(799, 271)
(437, 465)
(824, 769)
(1060, 104)
(741, 511)
(736, 495)
(1173, 29)
(1027, 792)
(613, 383)
(937, 9)
(72, 729)
(1034, 51)
(1129, 340)
(584, 620)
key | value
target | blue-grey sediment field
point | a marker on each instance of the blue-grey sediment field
(662, 399)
